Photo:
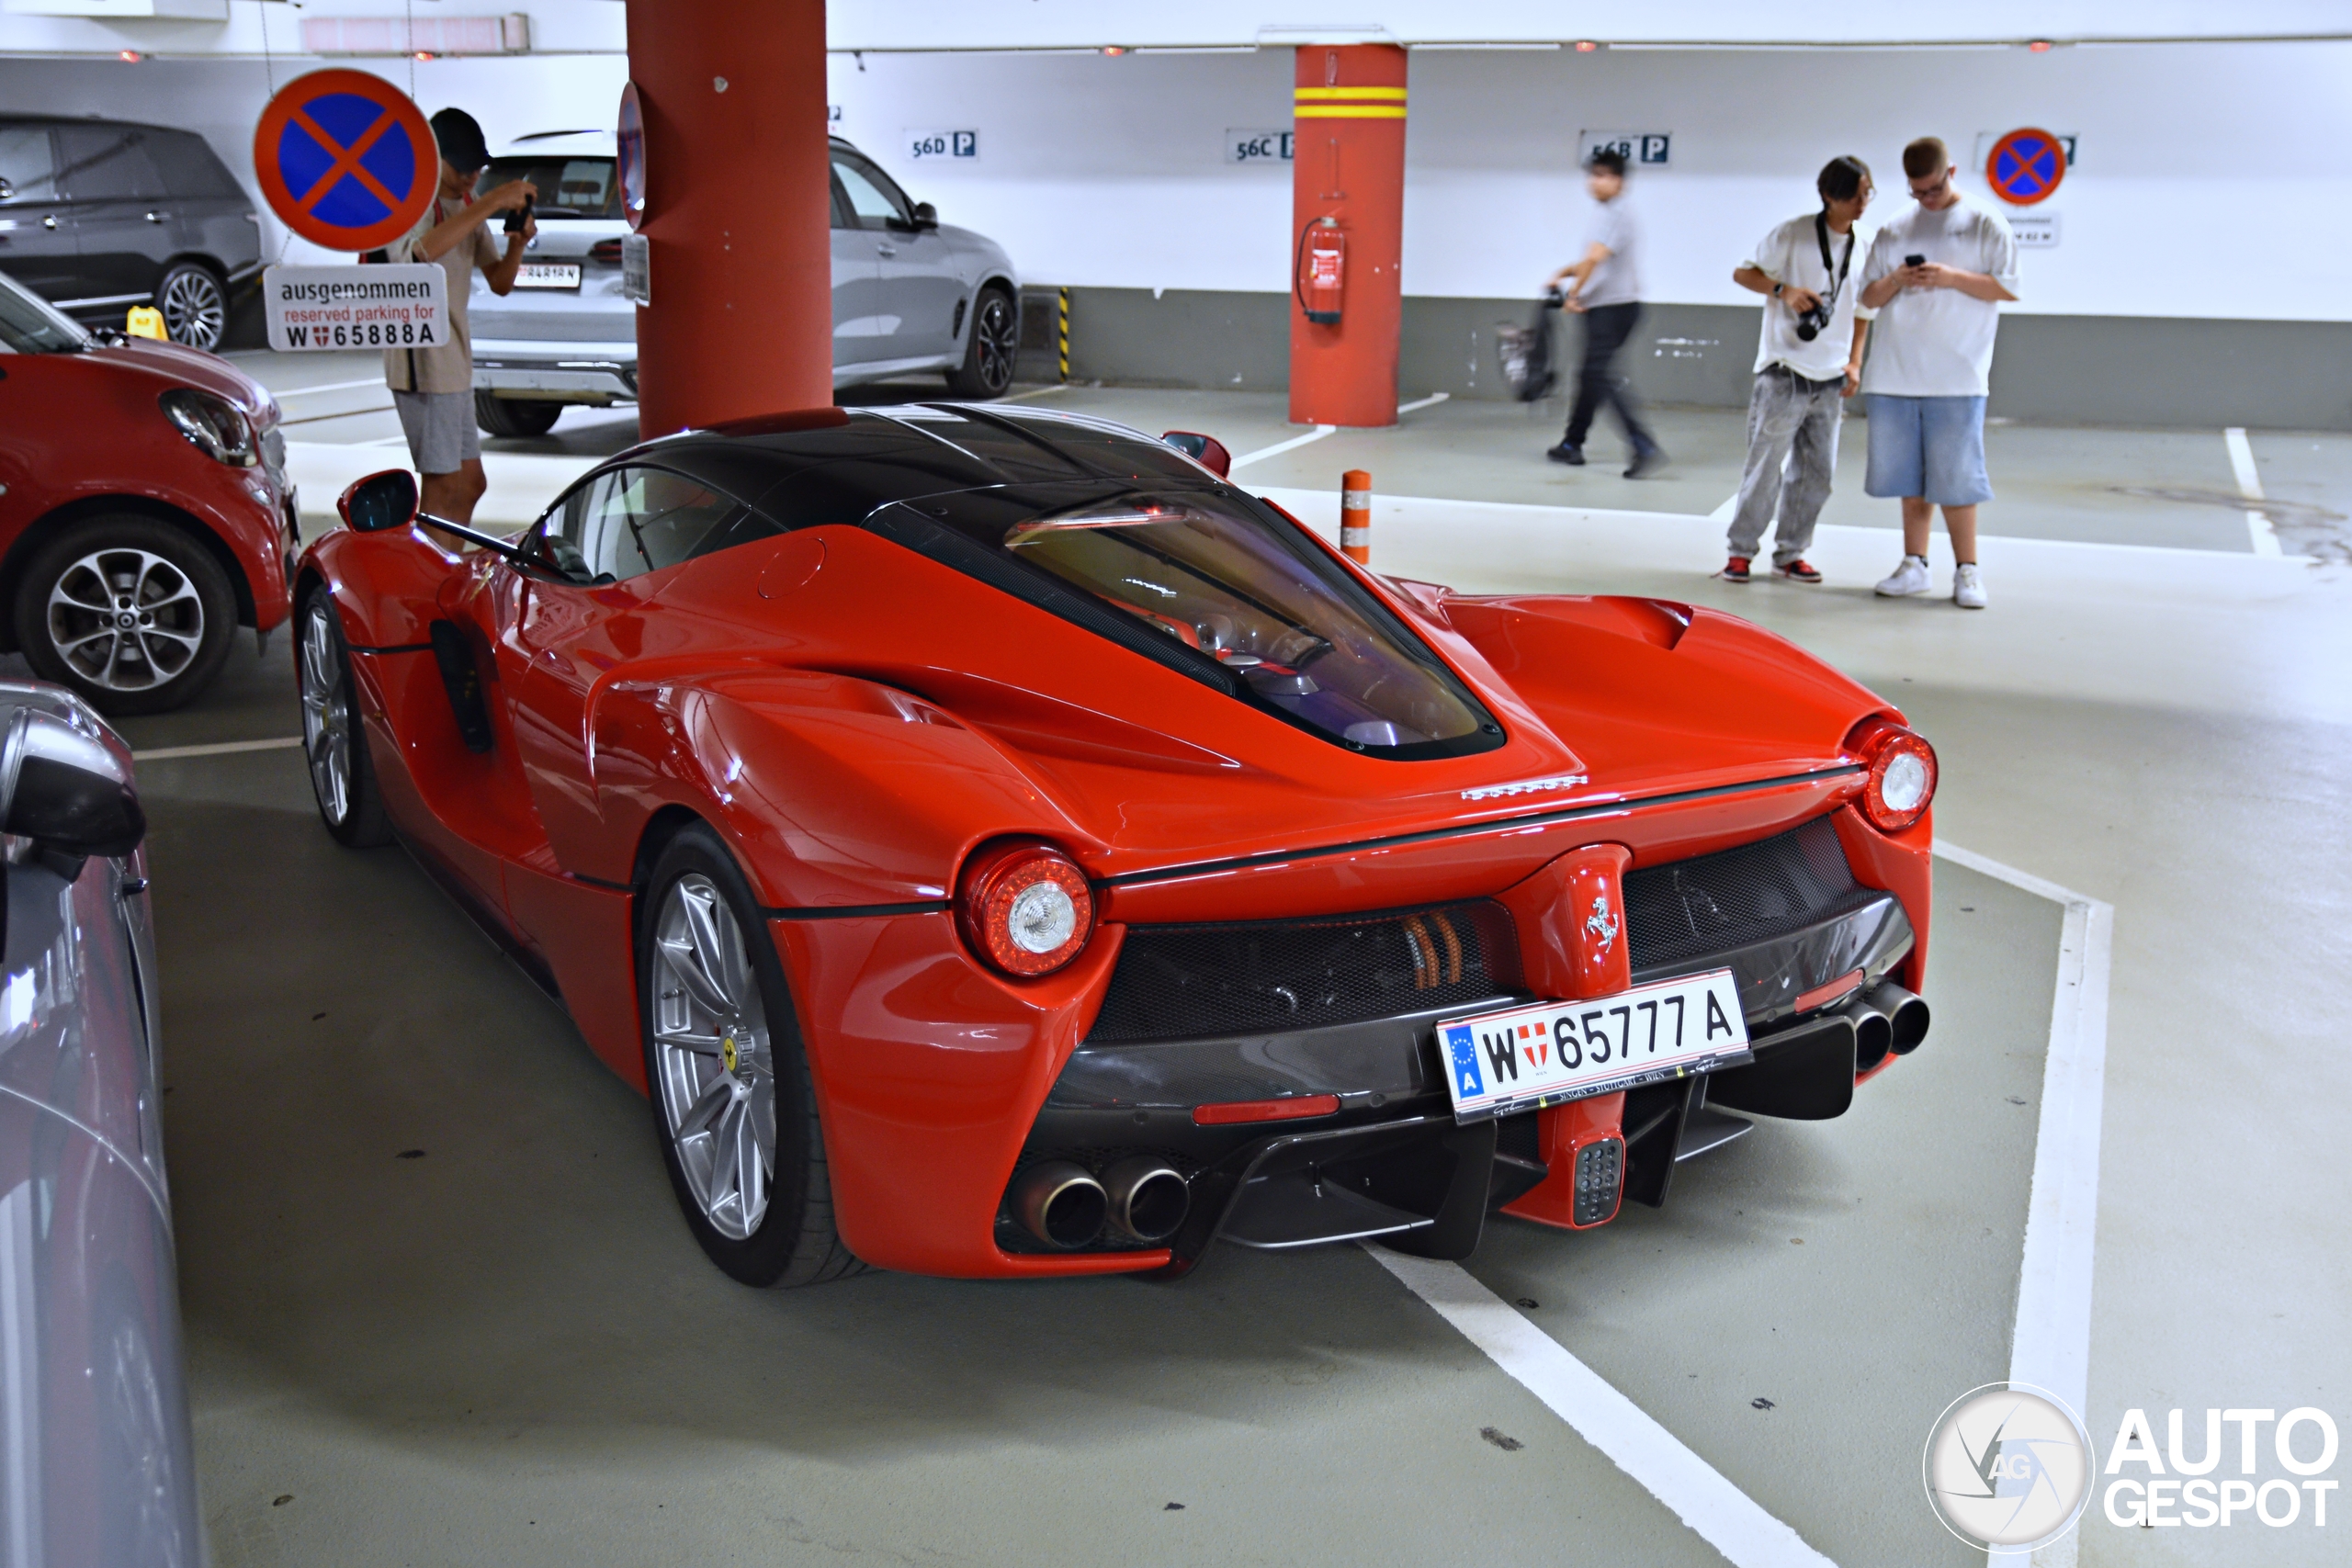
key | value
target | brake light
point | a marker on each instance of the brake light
(1900, 781)
(1025, 907)
(1289, 1110)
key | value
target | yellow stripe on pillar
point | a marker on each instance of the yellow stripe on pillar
(1309, 94)
(1347, 111)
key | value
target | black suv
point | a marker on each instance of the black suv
(97, 215)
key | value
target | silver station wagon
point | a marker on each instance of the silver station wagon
(910, 294)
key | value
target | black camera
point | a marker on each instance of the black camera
(1810, 323)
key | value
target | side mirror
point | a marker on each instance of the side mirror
(379, 501)
(67, 790)
(1205, 450)
(926, 215)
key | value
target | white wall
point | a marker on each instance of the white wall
(2210, 178)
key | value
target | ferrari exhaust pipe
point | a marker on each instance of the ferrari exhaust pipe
(1147, 1199)
(1907, 1013)
(1060, 1203)
(1874, 1032)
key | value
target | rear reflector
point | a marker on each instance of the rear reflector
(1266, 1110)
(1822, 995)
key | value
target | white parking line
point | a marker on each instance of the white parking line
(1317, 433)
(220, 749)
(1725, 1517)
(1047, 391)
(328, 387)
(2051, 1348)
(1723, 513)
(2258, 524)
(1429, 402)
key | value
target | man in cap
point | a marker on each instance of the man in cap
(433, 387)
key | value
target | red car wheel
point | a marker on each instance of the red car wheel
(732, 1100)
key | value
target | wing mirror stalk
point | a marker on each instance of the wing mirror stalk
(389, 500)
(68, 791)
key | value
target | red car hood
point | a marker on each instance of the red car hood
(174, 365)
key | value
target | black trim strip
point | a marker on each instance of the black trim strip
(858, 911)
(396, 647)
(600, 882)
(1469, 829)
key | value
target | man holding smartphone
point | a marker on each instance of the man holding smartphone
(1938, 276)
(1808, 362)
(432, 389)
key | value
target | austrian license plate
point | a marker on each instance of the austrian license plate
(1545, 1053)
(548, 275)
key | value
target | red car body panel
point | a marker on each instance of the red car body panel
(79, 431)
(855, 720)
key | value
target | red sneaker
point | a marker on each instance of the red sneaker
(1798, 571)
(1736, 569)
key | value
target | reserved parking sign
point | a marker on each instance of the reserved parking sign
(404, 305)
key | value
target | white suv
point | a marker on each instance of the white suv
(910, 295)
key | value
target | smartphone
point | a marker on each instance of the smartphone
(520, 215)
(1908, 261)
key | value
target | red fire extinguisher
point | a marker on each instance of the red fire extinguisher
(1322, 270)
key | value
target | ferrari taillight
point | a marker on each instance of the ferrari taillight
(1025, 907)
(1901, 780)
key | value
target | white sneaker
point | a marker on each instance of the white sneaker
(1967, 588)
(1909, 577)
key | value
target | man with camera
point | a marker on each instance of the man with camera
(432, 389)
(1937, 277)
(1808, 362)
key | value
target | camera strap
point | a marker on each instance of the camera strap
(1836, 273)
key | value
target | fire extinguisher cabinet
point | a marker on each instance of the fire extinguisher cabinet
(1347, 220)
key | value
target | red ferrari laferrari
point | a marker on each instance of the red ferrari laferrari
(1000, 846)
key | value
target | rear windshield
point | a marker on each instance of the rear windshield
(568, 187)
(1211, 573)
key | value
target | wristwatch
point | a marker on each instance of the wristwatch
(1776, 289)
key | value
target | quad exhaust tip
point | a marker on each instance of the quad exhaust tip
(1060, 1203)
(1140, 1199)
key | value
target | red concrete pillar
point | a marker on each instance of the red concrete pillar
(738, 211)
(1348, 169)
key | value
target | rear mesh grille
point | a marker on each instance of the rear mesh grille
(1185, 982)
(1712, 904)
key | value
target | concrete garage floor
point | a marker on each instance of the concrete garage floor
(506, 1349)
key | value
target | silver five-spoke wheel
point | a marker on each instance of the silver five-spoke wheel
(712, 1057)
(126, 620)
(326, 713)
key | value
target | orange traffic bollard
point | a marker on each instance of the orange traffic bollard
(1355, 516)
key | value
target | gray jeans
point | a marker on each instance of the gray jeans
(1791, 457)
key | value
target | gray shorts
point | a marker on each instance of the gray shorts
(442, 436)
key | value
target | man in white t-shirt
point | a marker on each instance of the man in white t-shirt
(1937, 278)
(1808, 362)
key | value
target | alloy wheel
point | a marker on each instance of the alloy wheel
(995, 332)
(194, 310)
(126, 620)
(326, 715)
(712, 1055)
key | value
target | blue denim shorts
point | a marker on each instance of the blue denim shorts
(1927, 446)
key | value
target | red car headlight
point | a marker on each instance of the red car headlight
(1025, 907)
(1902, 778)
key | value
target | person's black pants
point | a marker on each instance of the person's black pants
(1606, 327)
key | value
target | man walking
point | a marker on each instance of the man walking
(1808, 362)
(1936, 277)
(432, 389)
(1607, 292)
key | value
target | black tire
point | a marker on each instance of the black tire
(521, 418)
(990, 352)
(82, 583)
(195, 303)
(335, 740)
(791, 1240)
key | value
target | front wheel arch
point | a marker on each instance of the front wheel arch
(35, 538)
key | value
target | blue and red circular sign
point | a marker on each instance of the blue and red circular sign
(346, 160)
(2026, 167)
